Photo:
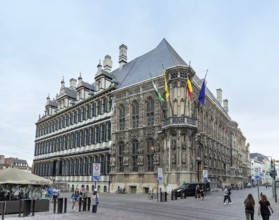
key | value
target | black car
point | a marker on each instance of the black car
(189, 189)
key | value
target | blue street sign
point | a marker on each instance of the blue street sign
(96, 178)
(257, 177)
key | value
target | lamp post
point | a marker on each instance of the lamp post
(273, 175)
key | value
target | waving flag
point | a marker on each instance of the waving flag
(159, 96)
(202, 94)
(190, 89)
(166, 87)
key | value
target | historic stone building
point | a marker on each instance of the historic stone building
(119, 122)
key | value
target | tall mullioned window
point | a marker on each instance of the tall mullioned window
(135, 146)
(121, 117)
(121, 156)
(150, 111)
(135, 115)
(149, 154)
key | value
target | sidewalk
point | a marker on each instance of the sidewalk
(138, 206)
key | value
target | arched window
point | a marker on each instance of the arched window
(120, 156)
(121, 117)
(135, 114)
(150, 111)
(135, 146)
(150, 153)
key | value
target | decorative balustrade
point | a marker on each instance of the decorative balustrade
(180, 122)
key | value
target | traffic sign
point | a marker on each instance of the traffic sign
(257, 177)
(96, 172)
(160, 174)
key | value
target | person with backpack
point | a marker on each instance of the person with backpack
(265, 208)
(249, 204)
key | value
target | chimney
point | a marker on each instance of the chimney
(219, 95)
(122, 55)
(107, 63)
(226, 105)
(73, 83)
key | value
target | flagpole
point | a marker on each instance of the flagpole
(159, 99)
(164, 70)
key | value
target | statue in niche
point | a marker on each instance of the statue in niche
(112, 161)
(156, 158)
(173, 158)
(184, 158)
(140, 160)
(126, 161)
(173, 144)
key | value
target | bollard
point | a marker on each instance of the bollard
(33, 206)
(54, 205)
(175, 195)
(171, 195)
(88, 203)
(59, 205)
(84, 204)
(26, 207)
(19, 208)
(65, 205)
(161, 197)
(166, 194)
(79, 205)
(3, 209)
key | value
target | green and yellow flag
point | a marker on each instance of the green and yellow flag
(166, 87)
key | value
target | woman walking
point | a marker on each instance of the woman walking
(249, 204)
(75, 199)
(265, 208)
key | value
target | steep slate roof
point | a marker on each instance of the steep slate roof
(70, 92)
(152, 63)
(87, 85)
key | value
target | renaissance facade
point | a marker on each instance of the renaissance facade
(119, 122)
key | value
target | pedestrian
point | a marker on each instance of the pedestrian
(55, 194)
(249, 204)
(75, 199)
(95, 201)
(202, 192)
(50, 193)
(198, 191)
(264, 208)
(227, 196)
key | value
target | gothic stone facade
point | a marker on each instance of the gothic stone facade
(118, 121)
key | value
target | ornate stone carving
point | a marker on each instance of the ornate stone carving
(134, 134)
(121, 95)
(112, 161)
(173, 158)
(134, 91)
(156, 159)
(120, 136)
(140, 160)
(149, 132)
(184, 158)
(125, 161)
(173, 144)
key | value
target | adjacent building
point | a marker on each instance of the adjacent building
(14, 162)
(119, 122)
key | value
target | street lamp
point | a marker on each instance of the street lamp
(273, 175)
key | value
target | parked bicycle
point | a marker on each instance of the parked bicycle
(152, 195)
(121, 191)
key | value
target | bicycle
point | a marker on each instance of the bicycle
(152, 195)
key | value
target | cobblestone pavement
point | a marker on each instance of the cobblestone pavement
(138, 206)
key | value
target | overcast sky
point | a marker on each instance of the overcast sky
(42, 41)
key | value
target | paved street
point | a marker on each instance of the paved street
(131, 206)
